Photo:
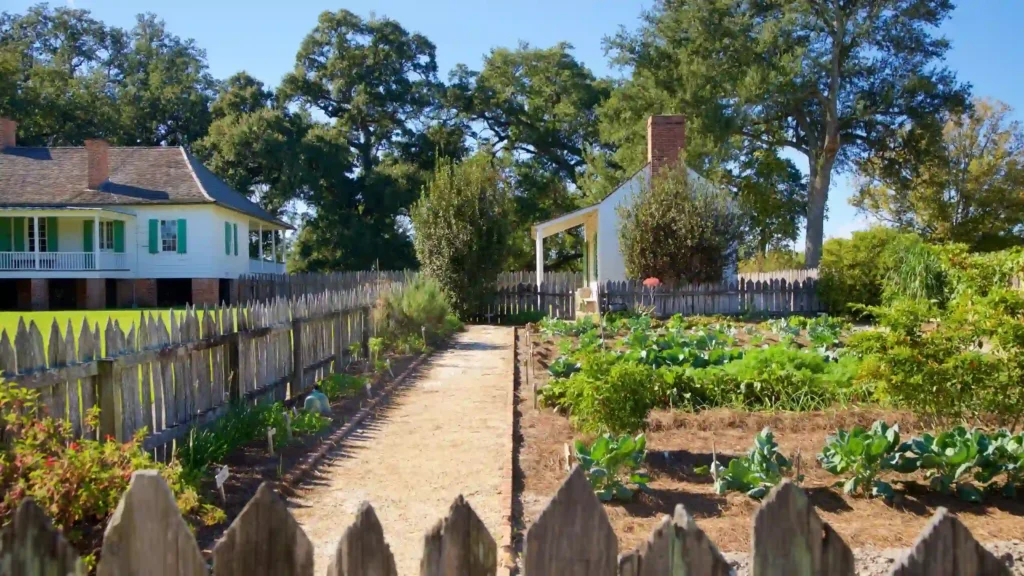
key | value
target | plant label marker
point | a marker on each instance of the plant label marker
(221, 478)
(369, 391)
(270, 440)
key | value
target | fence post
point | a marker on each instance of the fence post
(364, 336)
(339, 345)
(231, 375)
(297, 366)
(108, 390)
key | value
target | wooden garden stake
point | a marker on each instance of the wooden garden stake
(288, 425)
(270, 440)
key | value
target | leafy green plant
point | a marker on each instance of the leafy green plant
(342, 386)
(617, 403)
(612, 465)
(863, 454)
(949, 460)
(754, 474)
(77, 482)
(563, 367)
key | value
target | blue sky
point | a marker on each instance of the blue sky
(262, 36)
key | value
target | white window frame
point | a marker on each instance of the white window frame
(30, 233)
(169, 236)
(106, 235)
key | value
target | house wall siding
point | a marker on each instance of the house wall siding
(610, 264)
(204, 256)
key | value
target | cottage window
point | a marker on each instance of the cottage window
(169, 235)
(106, 236)
(32, 234)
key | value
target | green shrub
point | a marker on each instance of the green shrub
(462, 230)
(612, 465)
(617, 403)
(416, 307)
(851, 271)
(915, 271)
(77, 482)
(677, 231)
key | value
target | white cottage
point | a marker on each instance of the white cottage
(101, 227)
(603, 262)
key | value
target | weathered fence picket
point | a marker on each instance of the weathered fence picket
(146, 535)
(774, 297)
(169, 379)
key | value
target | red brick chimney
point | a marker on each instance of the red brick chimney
(666, 139)
(98, 152)
(8, 133)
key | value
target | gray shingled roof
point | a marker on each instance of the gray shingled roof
(152, 175)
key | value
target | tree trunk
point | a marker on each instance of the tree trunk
(817, 196)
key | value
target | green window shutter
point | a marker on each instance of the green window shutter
(182, 236)
(6, 235)
(118, 236)
(87, 236)
(51, 234)
(227, 238)
(234, 233)
(154, 236)
(19, 234)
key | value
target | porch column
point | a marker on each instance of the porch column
(260, 244)
(35, 242)
(540, 257)
(273, 245)
(96, 242)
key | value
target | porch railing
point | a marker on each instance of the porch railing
(62, 261)
(257, 266)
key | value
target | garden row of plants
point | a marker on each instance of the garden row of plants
(971, 464)
(78, 482)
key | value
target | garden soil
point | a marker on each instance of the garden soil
(678, 442)
(442, 434)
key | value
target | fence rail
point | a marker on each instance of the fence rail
(571, 537)
(170, 378)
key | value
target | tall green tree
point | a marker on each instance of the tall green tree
(967, 186)
(829, 80)
(376, 83)
(462, 229)
(536, 109)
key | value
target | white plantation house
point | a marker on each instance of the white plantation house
(101, 227)
(603, 260)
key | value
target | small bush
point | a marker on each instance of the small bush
(618, 403)
(416, 308)
(77, 482)
(338, 386)
(677, 231)
(851, 271)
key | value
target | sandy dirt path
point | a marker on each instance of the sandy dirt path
(443, 434)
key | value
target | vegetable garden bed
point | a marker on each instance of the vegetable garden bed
(679, 441)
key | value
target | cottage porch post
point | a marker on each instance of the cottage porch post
(540, 263)
(263, 265)
(35, 240)
(273, 245)
(96, 241)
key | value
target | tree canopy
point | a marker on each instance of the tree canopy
(832, 81)
(965, 186)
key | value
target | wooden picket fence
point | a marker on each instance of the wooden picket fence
(169, 379)
(774, 297)
(262, 287)
(794, 275)
(571, 537)
(567, 279)
(553, 300)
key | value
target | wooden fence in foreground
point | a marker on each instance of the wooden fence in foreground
(171, 378)
(772, 297)
(571, 537)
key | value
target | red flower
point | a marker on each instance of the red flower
(73, 446)
(50, 461)
(652, 282)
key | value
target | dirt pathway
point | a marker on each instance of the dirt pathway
(443, 434)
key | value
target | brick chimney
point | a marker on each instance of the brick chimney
(666, 139)
(98, 152)
(8, 133)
